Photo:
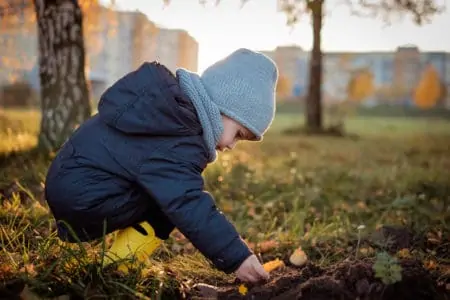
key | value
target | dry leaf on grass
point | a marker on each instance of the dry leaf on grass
(266, 246)
(404, 253)
(262, 247)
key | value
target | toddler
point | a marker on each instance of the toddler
(135, 168)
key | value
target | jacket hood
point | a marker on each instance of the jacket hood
(149, 101)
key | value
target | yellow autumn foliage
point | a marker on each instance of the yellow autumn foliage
(428, 91)
(243, 289)
(284, 86)
(361, 86)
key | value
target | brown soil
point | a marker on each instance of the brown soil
(350, 279)
(346, 280)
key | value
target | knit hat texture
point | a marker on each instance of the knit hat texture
(241, 86)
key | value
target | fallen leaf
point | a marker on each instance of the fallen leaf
(366, 250)
(430, 264)
(179, 237)
(434, 241)
(243, 289)
(227, 207)
(266, 246)
(361, 205)
(298, 257)
(28, 268)
(404, 253)
(273, 265)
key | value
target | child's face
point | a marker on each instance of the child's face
(232, 133)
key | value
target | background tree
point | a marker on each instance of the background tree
(64, 90)
(295, 10)
(428, 91)
(360, 85)
(284, 86)
(421, 11)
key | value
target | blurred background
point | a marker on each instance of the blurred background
(336, 58)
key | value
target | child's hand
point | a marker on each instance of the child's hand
(251, 270)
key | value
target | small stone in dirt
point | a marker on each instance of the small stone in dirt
(298, 258)
(206, 291)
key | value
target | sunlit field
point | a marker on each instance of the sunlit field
(370, 212)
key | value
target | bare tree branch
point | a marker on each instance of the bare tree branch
(421, 10)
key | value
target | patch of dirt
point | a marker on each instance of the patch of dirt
(11, 289)
(392, 238)
(396, 238)
(345, 280)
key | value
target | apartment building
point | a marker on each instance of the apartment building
(407, 67)
(18, 45)
(395, 74)
(177, 49)
(127, 39)
(116, 43)
(287, 59)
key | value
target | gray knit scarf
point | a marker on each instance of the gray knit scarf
(207, 111)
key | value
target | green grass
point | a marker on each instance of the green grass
(18, 129)
(304, 191)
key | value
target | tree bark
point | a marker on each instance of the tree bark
(314, 98)
(64, 92)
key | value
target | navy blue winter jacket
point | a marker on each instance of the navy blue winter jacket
(141, 159)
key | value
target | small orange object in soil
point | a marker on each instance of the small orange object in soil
(273, 265)
(243, 289)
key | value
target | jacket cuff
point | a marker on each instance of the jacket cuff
(230, 258)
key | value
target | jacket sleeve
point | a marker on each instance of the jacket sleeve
(177, 186)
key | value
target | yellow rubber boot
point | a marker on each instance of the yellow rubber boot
(130, 242)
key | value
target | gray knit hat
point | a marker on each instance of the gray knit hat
(243, 86)
(240, 86)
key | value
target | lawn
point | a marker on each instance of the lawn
(372, 215)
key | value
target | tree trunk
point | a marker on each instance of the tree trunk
(64, 93)
(314, 99)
